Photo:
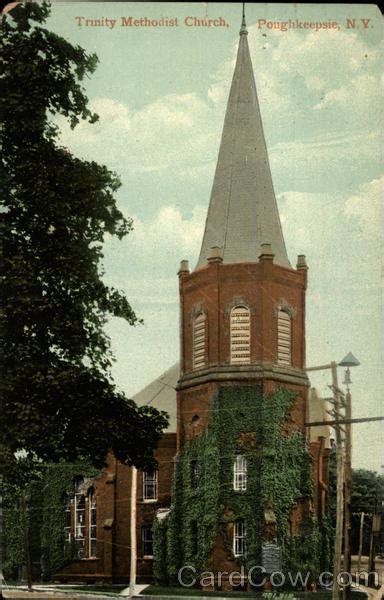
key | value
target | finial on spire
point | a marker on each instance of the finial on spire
(243, 30)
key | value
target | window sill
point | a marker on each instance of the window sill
(149, 501)
(86, 558)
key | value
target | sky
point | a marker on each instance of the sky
(161, 92)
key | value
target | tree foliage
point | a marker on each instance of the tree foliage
(58, 398)
(367, 491)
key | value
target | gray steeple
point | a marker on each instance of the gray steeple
(243, 212)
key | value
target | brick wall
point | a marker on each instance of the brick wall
(113, 506)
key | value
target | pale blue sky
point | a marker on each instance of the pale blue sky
(161, 96)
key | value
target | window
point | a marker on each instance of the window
(150, 485)
(240, 473)
(284, 337)
(239, 538)
(92, 524)
(240, 335)
(147, 541)
(68, 521)
(79, 517)
(195, 474)
(199, 340)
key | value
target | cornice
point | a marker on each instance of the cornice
(257, 372)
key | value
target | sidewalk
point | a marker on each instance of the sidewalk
(52, 592)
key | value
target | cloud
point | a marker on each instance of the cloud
(173, 129)
(340, 235)
(329, 160)
(153, 250)
(365, 209)
(170, 231)
(315, 117)
(341, 72)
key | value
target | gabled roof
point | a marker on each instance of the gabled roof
(243, 210)
(161, 393)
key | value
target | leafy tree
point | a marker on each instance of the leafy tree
(367, 496)
(58, 399)
(367, 491)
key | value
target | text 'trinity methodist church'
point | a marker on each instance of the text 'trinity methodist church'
(241, 481)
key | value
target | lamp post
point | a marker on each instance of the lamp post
(343, 454)
(348, 361)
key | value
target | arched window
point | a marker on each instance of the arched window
(92, 523)
(284, 337)
(240, 473)
(199, 340)
(240, 335)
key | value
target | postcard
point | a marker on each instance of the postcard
(247, 144)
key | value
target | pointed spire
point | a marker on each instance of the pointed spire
(243, 212)
(243, 30)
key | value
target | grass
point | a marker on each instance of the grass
(154, 590)
(104, 589)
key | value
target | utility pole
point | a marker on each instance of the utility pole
(132, 576)
(375, 531)
(360, 540)
(26, 541)
(340, 481)
(344, 474)
(1, 536)
(347, 487)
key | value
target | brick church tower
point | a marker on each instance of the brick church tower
(243, 307)
(242, 393)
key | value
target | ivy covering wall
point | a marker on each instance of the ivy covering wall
(244, 421)
(45, 521)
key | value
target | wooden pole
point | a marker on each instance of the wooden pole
(1, 537)
(343, 421)
(360, 540)
(132, 577)
(26, 541)
(347, 491)
(339, 495)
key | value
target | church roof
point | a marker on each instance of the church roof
(161, 394)
(243, 211)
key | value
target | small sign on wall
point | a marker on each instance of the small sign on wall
(271, 557)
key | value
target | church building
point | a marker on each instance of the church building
(241, 480)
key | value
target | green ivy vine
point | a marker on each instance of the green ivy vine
(244, 421)
(45, 518)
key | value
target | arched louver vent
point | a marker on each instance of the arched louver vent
(284, 337)
(199, 341)
(240, 335)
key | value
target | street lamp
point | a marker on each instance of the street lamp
(348, 361)
(344, 469)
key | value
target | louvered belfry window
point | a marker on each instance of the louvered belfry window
(240, 335)
(199, 340)
(284, 337)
